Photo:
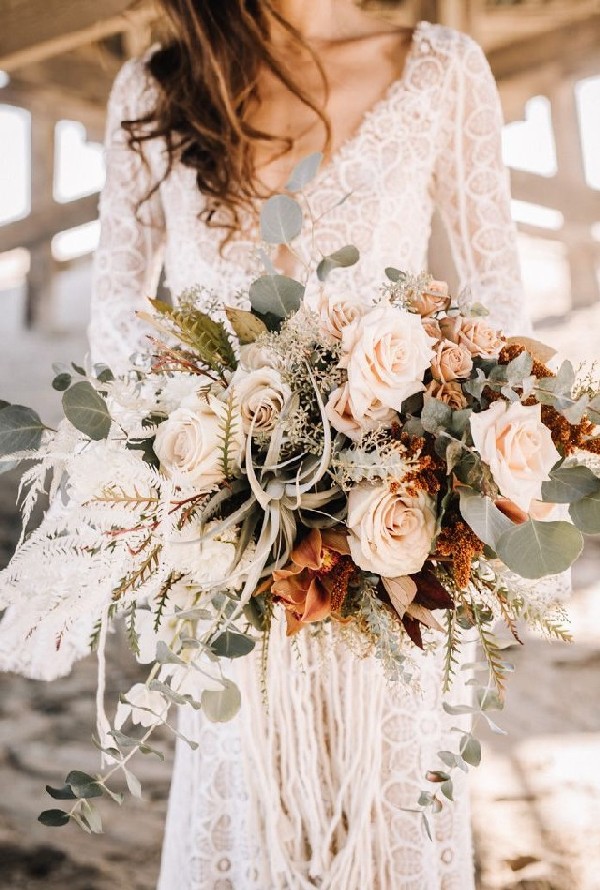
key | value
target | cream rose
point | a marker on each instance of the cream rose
(262, 396)
(343, 418)
(390, 533)
(517, 447)
(451, 361)
(450, 394)
(474, 334)
(435, 299)
(386, 354)
(189, 443)
(256, 355)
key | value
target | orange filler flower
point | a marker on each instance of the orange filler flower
(315, 582)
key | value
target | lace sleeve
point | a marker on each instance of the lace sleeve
(129, 256)
(472, 190)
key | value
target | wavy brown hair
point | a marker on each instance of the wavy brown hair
(207, 71)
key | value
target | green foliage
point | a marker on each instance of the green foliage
(569, 484)
(451, 650)
(482, 515)
(228, 431)
(54, 818)
(208, 338)
(246, 326)
(304, 172)
(435, 416)
(275, 295)
(87, 411)
(586, 514)
(61, 382)
(339, 259)
(221, 706)
(280, 220)
(536, 549)
(491, 650)
(230, 644)
(132, 634)
(20, 430)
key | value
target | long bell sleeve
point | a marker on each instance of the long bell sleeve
(128, 260)
(472, 189)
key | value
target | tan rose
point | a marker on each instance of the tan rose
(386, 354)
(517, 447)
(335, 311)
(390, 532)
(434, 299)
(262, 395)
(189, 443)
(474, 334)
(451, 361)
(431, 326)
(343, 418)
(450, 394)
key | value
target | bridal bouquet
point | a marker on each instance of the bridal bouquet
(397, 470)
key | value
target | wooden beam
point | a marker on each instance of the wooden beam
(583, 203)
(33, 30)
(87, 80)
(565, 46)
(47, 222)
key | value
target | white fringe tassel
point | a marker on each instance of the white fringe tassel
(313, 766)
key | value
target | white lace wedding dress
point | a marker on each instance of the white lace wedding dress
(314, 791)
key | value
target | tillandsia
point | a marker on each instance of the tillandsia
(396, 473)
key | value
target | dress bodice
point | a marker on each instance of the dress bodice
(432, 141)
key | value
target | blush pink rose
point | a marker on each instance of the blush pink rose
(474, 334)
(517, 447)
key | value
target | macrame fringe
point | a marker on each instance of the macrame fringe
(313, 766)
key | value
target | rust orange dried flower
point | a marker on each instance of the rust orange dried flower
(315, 582)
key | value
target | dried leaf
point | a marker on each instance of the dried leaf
(402, 592)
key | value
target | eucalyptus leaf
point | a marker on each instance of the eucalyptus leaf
(569, 484)
(536, 549)
(482, 515)
(470, 749)
(460, 420)
(586, 514)
(164, 655)
(519, 368)
(61, 382)
(280, 220)
(64, 793)
(394, 275)
(133, 783)
(447, 789)
(232, 645)
(456, 710)
(222, 706)
(435, 415)
(54, 818)
(341, 259)
(83, 785)
(276, 295)
(246, 326)
(20, 430)
(304, 172)
(87, 411)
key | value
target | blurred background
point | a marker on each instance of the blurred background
(536, 798)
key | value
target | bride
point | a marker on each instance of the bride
(320, 789)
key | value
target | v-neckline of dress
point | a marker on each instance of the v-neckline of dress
(330, 164)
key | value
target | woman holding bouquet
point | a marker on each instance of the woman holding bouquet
(318, 789)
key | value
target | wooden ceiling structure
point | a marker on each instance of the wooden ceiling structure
(62, 56)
